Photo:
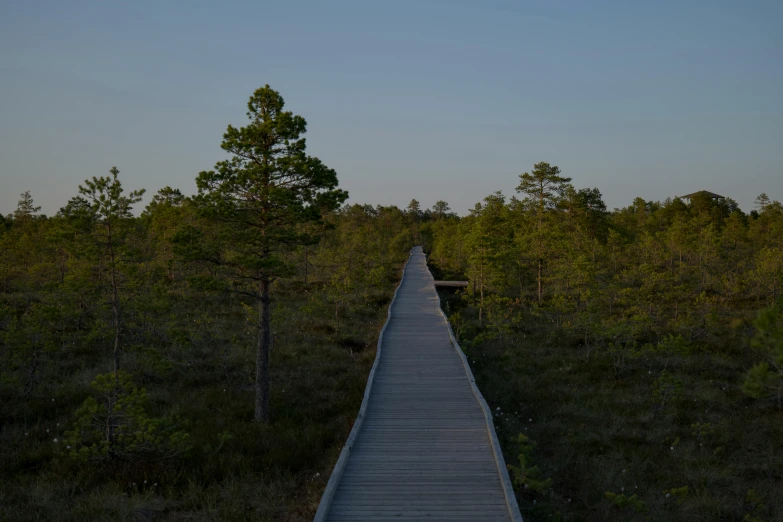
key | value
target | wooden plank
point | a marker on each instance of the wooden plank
(457, 284)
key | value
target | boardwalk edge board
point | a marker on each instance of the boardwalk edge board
(505, 480)
(339, 467)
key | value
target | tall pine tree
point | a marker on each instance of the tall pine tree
(544, 187)
(259, 199)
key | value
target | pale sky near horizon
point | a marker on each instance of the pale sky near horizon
(428, 99)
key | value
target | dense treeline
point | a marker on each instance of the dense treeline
(648, 269)
(131, 338)
(627, 345)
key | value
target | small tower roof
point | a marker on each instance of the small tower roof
(706, 192)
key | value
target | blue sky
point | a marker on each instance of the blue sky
(431, 99)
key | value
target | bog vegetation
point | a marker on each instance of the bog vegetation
(203, 358)
(138, 345)
(634, 357)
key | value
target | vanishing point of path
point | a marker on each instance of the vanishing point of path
(423, 447)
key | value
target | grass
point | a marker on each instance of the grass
(198, 363)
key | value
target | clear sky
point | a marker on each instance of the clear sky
(432, 99)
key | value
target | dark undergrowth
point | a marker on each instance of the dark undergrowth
(202, 370)
(639, 435)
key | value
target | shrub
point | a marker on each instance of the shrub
(526, 476)
(668, 389)
(116, 425)
(765, 379)
(622, 501)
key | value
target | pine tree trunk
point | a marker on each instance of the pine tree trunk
(337, 317)
(115, 304)
(116, 308)
(306, 263)
(540, 239)
(540, 291)
(262, 353)
(481, 301)
(521, 285)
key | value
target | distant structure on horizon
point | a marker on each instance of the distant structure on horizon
(705, 192)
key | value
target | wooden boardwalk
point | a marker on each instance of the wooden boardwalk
(423, 446)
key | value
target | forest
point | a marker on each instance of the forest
(204, 357)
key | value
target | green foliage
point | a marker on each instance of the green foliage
(102, 198)
(667, 390)
(26, 208)
(619, 338)
(765, 379)
(115, 424)
(102, 218)
(440, 209)
(185, 346)
(543, 185)
(702, 431)
(266, 190)
(526, 476)
(674, 344)
(679, 493)
(545, 189)
(623, 501)
(268, 197)
(761, 381)
(755, 504)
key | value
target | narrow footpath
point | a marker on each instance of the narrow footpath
(424, 447)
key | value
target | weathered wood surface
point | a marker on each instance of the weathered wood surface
(425, 448)
(451, 283)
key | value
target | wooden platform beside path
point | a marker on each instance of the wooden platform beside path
(423, 446)
(456, 284)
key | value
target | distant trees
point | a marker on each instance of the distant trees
(543, 187)
(414, 209)
(258, 201)
(166, 214)
(768, 274)
(26, 208)
(415, 215)
(762, 201)
(440, 209)
(447, 243)
(489, 242)
(104, 213)
(631, 275)
(766, 378)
